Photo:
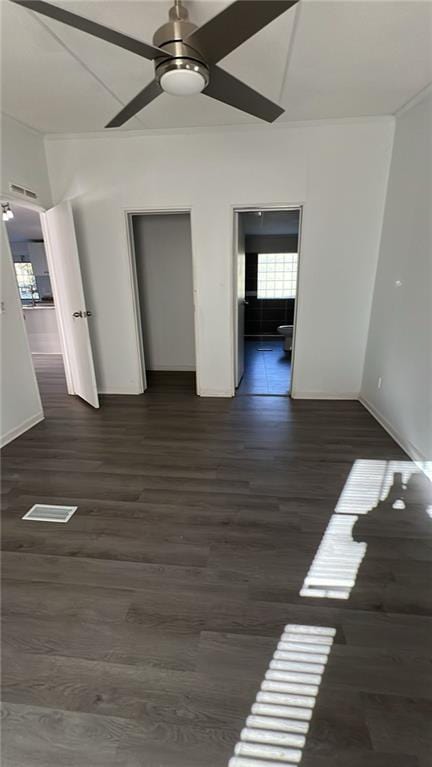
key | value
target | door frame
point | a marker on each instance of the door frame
(56, 294)
(235, 210)
(128, 213)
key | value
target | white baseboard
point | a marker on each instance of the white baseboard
(324, 395)
(204, 393)
(416, 455)
(210, 393)
(23, 427)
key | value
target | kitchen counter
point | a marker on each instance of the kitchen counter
(42, 330)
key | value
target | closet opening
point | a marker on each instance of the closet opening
(162, 269)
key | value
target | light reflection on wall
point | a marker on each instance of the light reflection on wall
(276, 730)
(333, 572)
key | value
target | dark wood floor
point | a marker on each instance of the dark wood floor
(138, 634)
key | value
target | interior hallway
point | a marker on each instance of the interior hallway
(138, 634)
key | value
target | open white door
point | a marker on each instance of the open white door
(241, 275)
(72, 313)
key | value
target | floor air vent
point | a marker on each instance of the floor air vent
(42, 512)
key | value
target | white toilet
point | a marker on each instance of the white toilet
(287, 332)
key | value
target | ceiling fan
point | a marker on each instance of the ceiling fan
(186, 56)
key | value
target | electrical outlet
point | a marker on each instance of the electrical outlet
(379, 384)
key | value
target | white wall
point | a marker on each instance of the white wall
(399, 348)
(23, 161)
(19, 249)
(163, 252)
(38, 258)
(339, 172)
(20, 402)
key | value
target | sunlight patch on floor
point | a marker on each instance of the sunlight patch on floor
(371, 485)
(276, 730)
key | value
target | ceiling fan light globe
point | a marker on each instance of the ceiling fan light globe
(182, 82)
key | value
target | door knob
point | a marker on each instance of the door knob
(87, 314)
(77, 314)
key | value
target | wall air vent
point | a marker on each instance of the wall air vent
(22, 190)
(42, 512)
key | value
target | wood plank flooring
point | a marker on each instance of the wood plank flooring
(138, 634)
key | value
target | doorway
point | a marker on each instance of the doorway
(163, 271)
(45, 261)
(266, 268)
(35, 290)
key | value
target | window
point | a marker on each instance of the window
(26, 281)
(277, 275)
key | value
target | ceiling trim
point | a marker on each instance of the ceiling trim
(292, 125)
(23, 124)
(422, 94)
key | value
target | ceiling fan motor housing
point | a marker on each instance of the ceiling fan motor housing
(169, 37)
(186, 56)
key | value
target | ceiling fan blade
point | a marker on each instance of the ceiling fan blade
(224, 87)
(144, 97)
(139, 47)
(235, 24)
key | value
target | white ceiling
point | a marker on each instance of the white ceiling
(25, 225)
(323, 59)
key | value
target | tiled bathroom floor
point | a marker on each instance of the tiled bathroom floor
(267, 368)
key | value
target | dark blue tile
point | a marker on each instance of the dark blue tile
(267, 367)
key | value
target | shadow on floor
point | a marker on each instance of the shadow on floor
(174, 382)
